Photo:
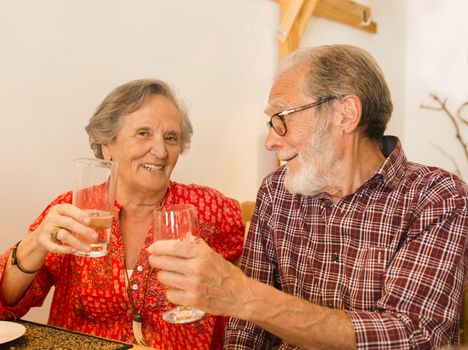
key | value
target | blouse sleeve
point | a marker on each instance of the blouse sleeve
(229, 240)
(43, 281)
(220, 219)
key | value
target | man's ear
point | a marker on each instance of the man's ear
(350, 113)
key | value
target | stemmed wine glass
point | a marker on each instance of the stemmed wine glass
(178, 222)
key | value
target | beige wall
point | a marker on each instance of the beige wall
(59, 58)
(437, 62)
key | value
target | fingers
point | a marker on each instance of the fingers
(56, 245)
(167, 263)
(179, 256)
(181, 249)
(183, 290)
(173, 280)
(69, 210)
(209, 282)
(181, 297)
(65, 230)
(67, 239)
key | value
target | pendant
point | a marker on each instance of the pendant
(137, 322)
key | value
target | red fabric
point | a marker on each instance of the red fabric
(90, 294)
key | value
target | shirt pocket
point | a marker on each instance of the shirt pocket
(365, 277)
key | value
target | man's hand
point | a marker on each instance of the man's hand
(197, 276)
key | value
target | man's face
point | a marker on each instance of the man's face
(309, 147)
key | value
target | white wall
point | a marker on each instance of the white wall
(387, 47)
(437, 62)
(60, 58)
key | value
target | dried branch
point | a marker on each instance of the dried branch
(455, 164)
(459, 114)
(443, 107)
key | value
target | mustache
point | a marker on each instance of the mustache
(283, 155)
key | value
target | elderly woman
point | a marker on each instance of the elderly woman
(144, 128)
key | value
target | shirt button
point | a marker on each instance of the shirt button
(135, 287)
(335, 257)
(139, 268)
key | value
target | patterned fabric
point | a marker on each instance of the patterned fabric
(392, 254)
(90, 294)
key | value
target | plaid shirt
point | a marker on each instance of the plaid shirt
(392, 254)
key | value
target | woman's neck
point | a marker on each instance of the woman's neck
(136, 218)
(135, 203)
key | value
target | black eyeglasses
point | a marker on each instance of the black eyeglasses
(277, 120)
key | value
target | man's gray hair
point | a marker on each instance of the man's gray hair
(340, 70)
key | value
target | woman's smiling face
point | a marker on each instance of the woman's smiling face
(147, 146)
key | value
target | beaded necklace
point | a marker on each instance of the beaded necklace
(137, 318)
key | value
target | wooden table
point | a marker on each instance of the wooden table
(39, 336)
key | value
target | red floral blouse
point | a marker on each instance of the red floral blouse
(90, 293)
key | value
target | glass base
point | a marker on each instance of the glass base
(97, 250)
(182, 314)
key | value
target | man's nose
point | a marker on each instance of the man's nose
(273, 141)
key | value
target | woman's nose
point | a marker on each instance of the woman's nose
(158, 148)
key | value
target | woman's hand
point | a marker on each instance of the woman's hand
(64, 230)
(55, 235)
(197, 276)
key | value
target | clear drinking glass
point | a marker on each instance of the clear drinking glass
(179, 222)
(94, 187)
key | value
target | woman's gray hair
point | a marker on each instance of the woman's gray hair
(340, 70)
(105, 123)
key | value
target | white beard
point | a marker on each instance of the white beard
(319, 165)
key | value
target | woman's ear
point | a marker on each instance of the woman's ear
(106, 151)
(351, 112)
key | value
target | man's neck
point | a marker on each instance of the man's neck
(361, 158)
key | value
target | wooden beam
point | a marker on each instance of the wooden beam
(305, 14)
(344, 11)
(347, 12)
(291, 41)
(290, 11)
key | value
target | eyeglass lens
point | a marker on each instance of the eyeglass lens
(278, 125)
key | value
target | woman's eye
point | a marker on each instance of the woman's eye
(172, 139)
(143, 133)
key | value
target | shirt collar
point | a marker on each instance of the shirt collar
(393, 168)
(167, 199)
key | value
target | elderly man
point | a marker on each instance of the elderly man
(350, 245)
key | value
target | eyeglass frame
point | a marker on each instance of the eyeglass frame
(283, 114)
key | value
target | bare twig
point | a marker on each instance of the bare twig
(457, 169)
(463, 120)
(443, 107)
